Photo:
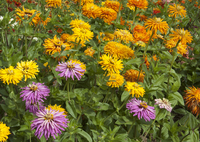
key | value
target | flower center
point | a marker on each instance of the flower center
(70, 65)
(144, 105)
(178, 8)
(158, 20)
(33, 87)
(182, 32)
(10, 72)
(113, 77)
(48, 116)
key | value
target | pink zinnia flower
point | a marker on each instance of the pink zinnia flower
(164, 104)
(34, 92)
(33, 107)
(141, 109)
(70, 69)
(49, 123)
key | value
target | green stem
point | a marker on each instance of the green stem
(26, 46)
(119, 12)
(106, 97)
(134, 14)
(130, 128)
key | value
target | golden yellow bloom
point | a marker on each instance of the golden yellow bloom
(132, 76)
(176, 10)
(53, 3)
(28, 68)
(82, 65)
(91, 10)
(108, 15)
(105, 36)
(181, 48)
(83, 2)
(118, 50)
(155, 58)
(45, 64)
(57, 108)
(141, 36)
(192, 99)
(142, 4)
(82, 35)
(112, 4)
(10, 75)
(140, 43)
(180, 34)
(115, 80)
(79, 24)
(4, 132)
(28, 14)
(64, 37)
(134, 89)
(111, 64)
(154, 24)
(123, 35)
(89, 51)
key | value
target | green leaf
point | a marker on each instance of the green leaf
(176, 96)
(164, 131)
(84, 134)
(42, 139)
(125, 95)
(23, 128)
(159, 80)
(71, 109)
(102, 106)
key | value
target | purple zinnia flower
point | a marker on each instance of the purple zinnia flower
(71, 68)
(164, 104)
(35, 92)
(33, 107)
(141, 109)
(49, 123)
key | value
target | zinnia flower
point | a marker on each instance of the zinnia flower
(10, 75)
(53, 3)
(83, 2)
(105, 36)
(111, 64)
(123, 35)
(28, 68)
(108, 15)
(115, 80)
(164, 104)
(4, 132)
(91, 10)
(141, 109)
(89, 51)
(79, 24)
(34, 92)
(112, 4)
(57, 108)
(70, 69)
(176, 10)
(134, 89)
(134, 76)
(192, 99)
(142, 4)
(33, 107)
(49, 123)
(155, 24)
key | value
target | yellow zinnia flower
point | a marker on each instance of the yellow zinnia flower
(134, 76)
(105, 36)
(79, 24)
(140, 43)
(118, 50)
(155, 24)
(134, 89)
(11, 75)
(89, 51)
(192, 99)
(57, 108)
(176, 10)
(142, 4)
(112, 4)
(111, 64)
(4, 132)
(29, 69)
(91, 10)
(115, 80)
(123, 35)
(108, 15)
(53, 3)
(180, 34)
(83, 2)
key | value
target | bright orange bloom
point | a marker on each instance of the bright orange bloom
(112, 4)
(91, 10)
(134, 76)
(142, 4)
(108, 15)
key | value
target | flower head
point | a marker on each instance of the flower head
(115, 80)
(176, 10)
(34, 92)
(4, 132)
(106, 36)
(142, 4)
(11, 75)
(57, 108)
(164, 104)
(70, 69)
(123, 35)
(108, 15)
(91, 10)
(155, 24)
(192, 99)
(33, 107)
(49, 123)
(111, 64)
(112, 4)
(134, 76)
(79, 24)
(134, 89)
(28, 68)
(53, 3)
(89, 51)
(141, 109)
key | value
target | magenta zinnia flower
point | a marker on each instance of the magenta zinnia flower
(70, 69)
(141, 109)
(35, 92)
(164, 104)
(49, 123)
(33, 107)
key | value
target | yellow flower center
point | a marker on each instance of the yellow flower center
(113, 77)
(136, 85)
(70, 65)
(33, 87)
(179, 8)
(48, 116)
(10, 72)
(182, 32)
(158, 20)
(144, 105)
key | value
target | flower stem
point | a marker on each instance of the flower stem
(134, 14)
(130, 128)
